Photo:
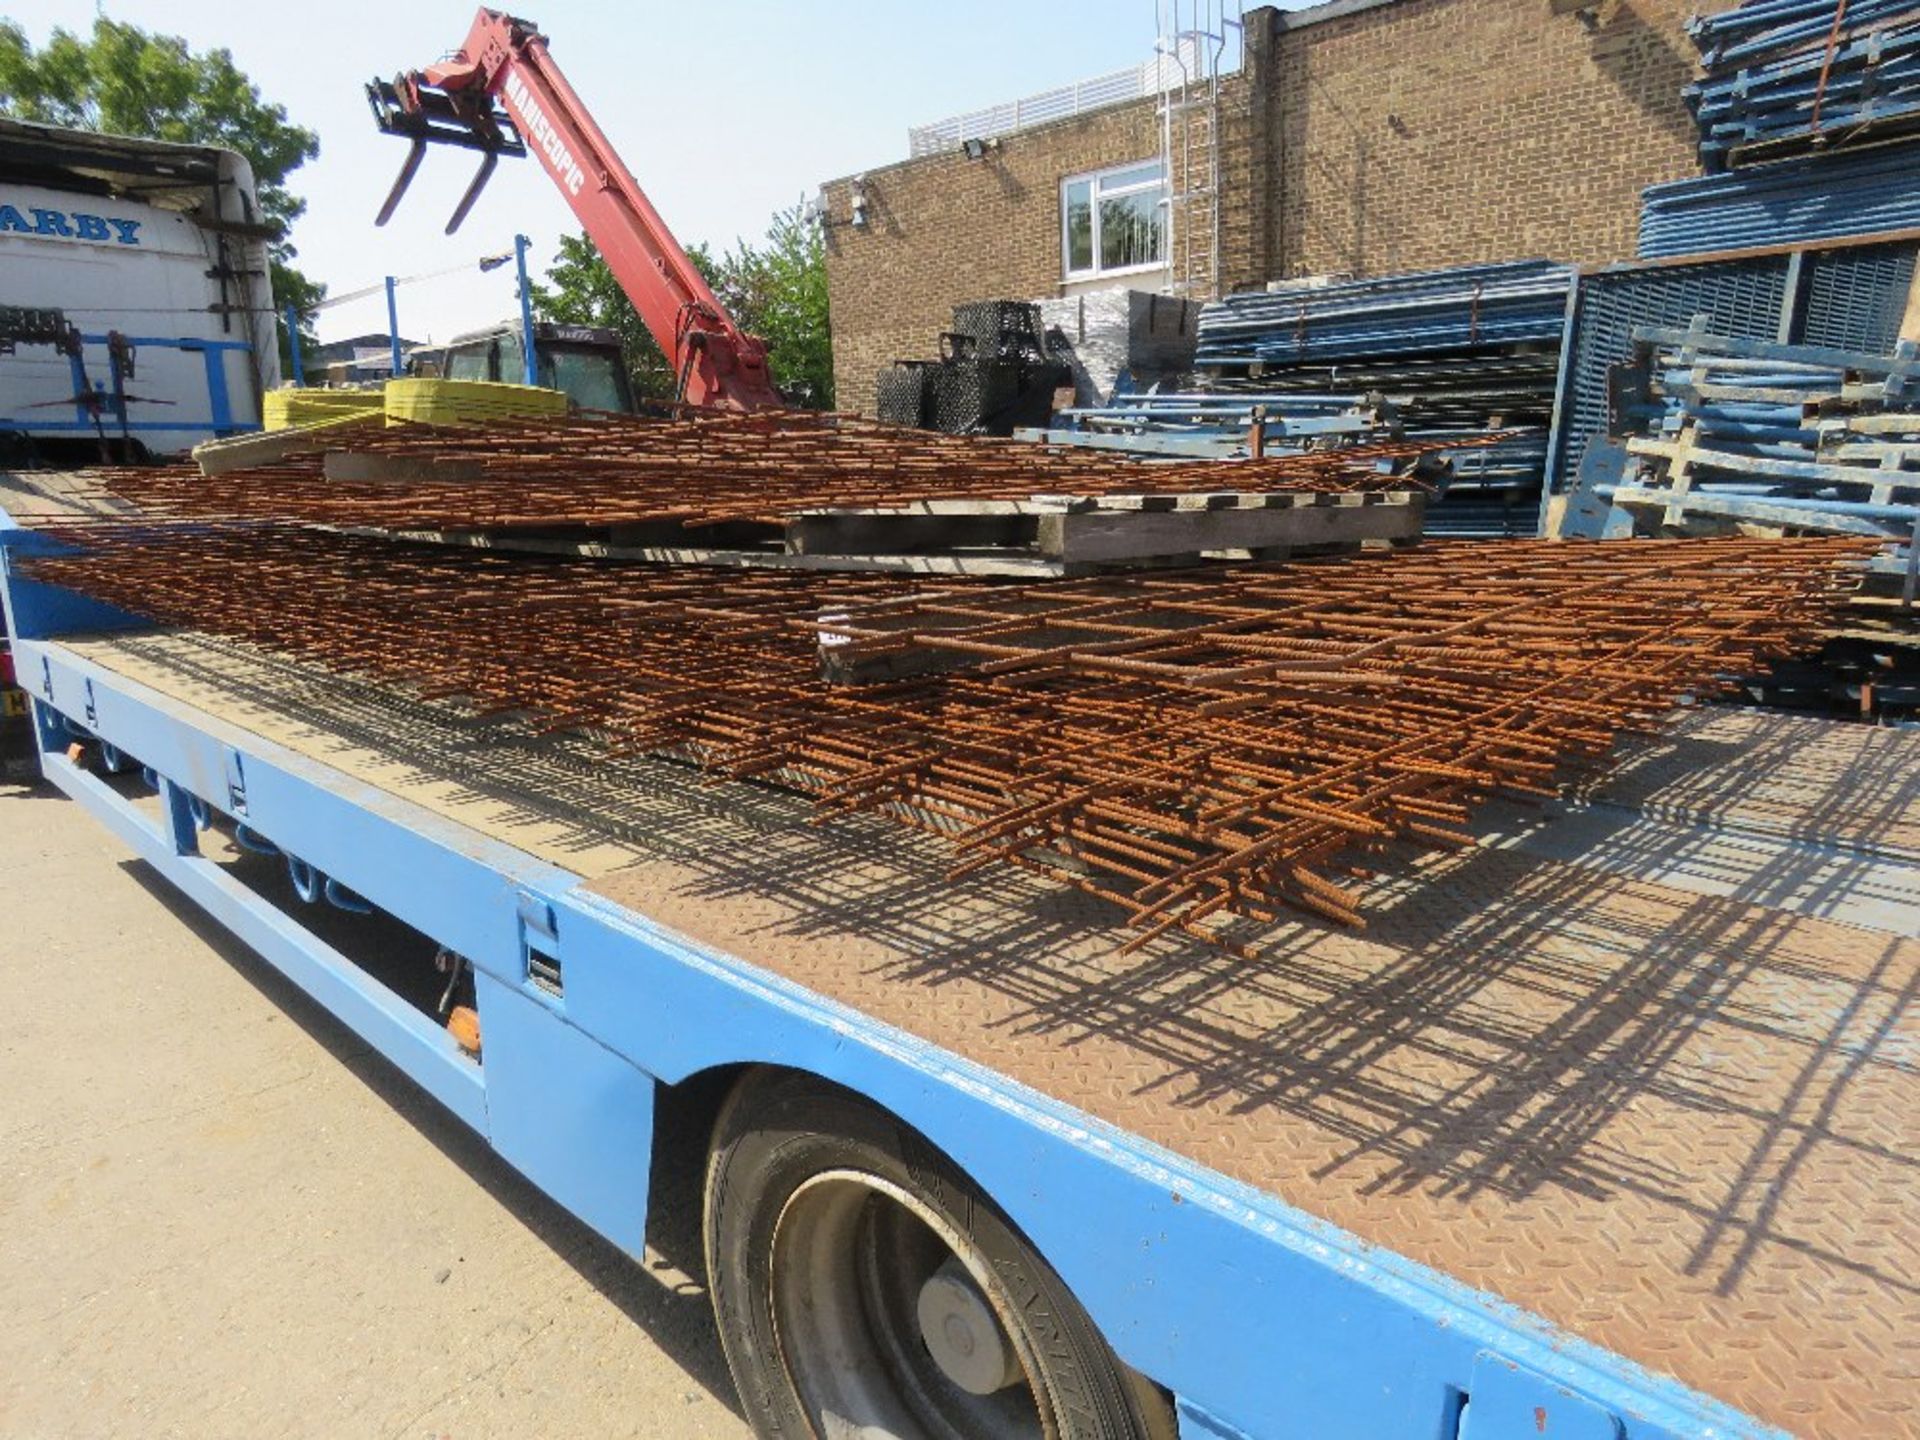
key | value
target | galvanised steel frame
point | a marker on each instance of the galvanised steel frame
(1262, 1320)
(1849, 293)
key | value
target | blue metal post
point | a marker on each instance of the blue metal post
(181, 827)
(77, 371)
(529, 365)
(393, 327)
(216, 363)
(293, 346)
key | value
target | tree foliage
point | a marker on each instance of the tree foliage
(581, 290)
(123, 80)
(776, 289)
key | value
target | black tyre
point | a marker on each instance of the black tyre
(865, 1287)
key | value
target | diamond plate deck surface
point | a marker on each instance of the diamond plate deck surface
(1849, 785)
(1665, 1101)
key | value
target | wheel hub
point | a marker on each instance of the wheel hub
(961, 1333)
(886, 1322)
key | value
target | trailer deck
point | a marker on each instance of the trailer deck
(1645, 1069)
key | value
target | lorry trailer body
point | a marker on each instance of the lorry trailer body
(155, 255)
(1602, 1132)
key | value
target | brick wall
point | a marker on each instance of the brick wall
(946, 228)
(1399, 136)
(1438, 132)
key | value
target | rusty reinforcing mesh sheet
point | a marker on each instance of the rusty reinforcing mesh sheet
(707, 471)
(1204, 748)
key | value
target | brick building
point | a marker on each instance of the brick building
(1357, 137)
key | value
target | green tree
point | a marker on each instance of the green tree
(121, 79)
(776, 290)
(581, 290)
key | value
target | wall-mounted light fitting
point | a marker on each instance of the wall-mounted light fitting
(1592, 14)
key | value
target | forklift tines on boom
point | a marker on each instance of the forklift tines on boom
(501, 94)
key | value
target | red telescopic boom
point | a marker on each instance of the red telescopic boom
(501, 94)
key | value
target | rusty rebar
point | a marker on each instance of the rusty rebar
(1230, 740)
(711, 471)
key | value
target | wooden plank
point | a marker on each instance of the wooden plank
(1729, 348)
(1002, 544)
(1910, 582)
(1749, 252)
(1110, 539)
(1221, 500)
(34, 495)
(1750, 510)
(1182, 447)
(1910, 320)
(1679, 472)
(1699, 457)
(1871, 392)
(1886, 423)
(1752, 395)
(240, 452)
(1032, 505)
(1074, 504)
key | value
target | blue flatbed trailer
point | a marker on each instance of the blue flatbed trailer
(1255, 1317)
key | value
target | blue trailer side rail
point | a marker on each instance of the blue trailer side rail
(1261, 1320)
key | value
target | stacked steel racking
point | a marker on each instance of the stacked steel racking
(1807, 112)
(1463, 308)
(1464, 360)
(1826, 197)
(1795, 77)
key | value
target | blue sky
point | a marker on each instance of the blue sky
(724, 111)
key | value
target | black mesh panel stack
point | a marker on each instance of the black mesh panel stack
(1001, 329)
(994, 376)
(906, 394)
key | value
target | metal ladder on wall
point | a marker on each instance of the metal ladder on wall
(1200, 41)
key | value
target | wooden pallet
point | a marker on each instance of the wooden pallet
(1030, 539)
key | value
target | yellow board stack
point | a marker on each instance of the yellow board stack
(425, 402)
(292, 409)
(470, 402)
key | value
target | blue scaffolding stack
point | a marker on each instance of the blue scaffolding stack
(1829, 197)
(1788, 437)
(1809, 121)
(1467, 308)
(1794, 77)
(1465, 357)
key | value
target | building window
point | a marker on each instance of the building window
(1114, 221)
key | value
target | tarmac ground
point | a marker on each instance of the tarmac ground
(221, 1214)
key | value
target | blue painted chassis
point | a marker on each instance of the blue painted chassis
(1262, 1320)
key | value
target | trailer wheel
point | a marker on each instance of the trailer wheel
(864, 1287)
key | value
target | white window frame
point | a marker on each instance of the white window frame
(1093, 178)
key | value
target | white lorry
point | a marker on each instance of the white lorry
(136, 308)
